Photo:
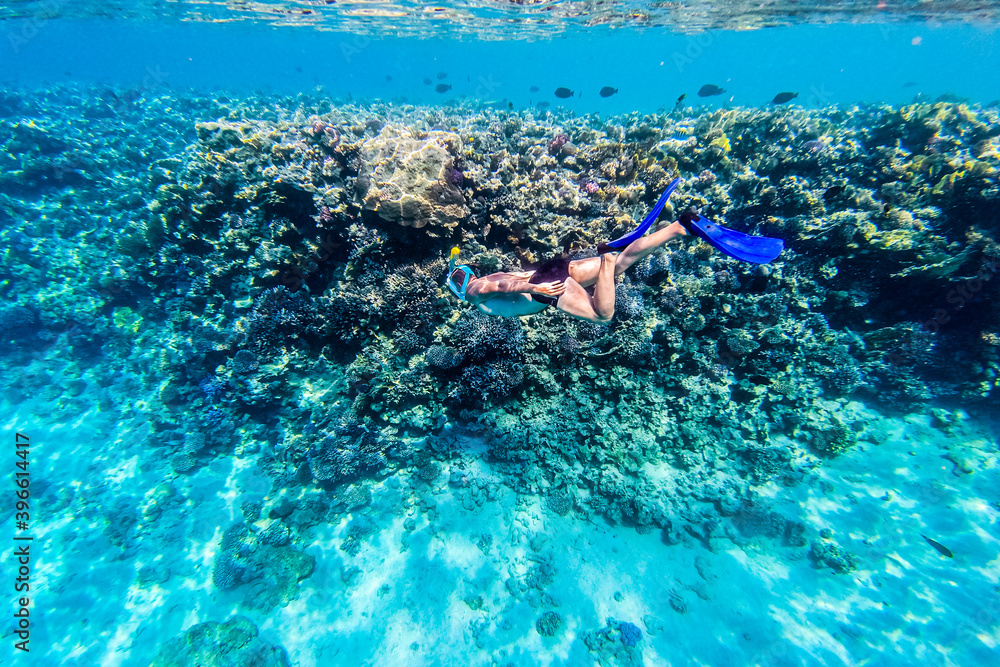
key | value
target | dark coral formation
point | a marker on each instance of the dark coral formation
(629, 633)
(349, 448)
(549, 624)
(826, 553)
(261, 566)
(616, 643)
(234, 643)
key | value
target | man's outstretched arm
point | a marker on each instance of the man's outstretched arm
(482, 287)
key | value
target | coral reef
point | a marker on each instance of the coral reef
(411, 179)
(549, 624)
(616, 643)
(231, 644)
(827, 553)
(348, 449)
(262, 567)
(629, 633)
(273, 281)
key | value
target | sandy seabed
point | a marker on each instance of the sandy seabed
(442, 577)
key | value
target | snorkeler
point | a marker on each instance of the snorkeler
(560, 282)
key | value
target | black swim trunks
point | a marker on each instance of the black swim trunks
(551, 271)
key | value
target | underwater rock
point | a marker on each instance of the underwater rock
(231, 644)
(616, 643)
(559, 503)
(264, 568)
(17, 323)
(549, 624)
(835, 439)
(123, 519)
(827, 553)
(408, 179)
(630, 634)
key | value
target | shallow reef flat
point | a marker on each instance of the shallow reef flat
(226, 313)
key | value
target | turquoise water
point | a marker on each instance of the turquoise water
(833, 64)
(248, 424)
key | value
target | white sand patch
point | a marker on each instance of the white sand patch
(990, 572)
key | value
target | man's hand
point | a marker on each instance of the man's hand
(549, 289)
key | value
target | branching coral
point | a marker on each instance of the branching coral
(348, 449)
(279, 318)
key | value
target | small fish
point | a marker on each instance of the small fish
(534, 89)
(708, 90)
(608, 91)
(781, 98)
(563, 93)
(427, 81)
(388, 77)
(298, 68)
(510, 105)
(886, 209)
(909, 84)
(443, 87)
(680, 100)
(814, 146)
(832, 192)
(542, 105)
(942, 549)
(442, 75)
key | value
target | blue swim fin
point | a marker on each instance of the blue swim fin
(648, 220)
(756, 249)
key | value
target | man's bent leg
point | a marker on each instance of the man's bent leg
(604, 291)
(645, 245)
(576, 302)
(585, 271)
(601, 307)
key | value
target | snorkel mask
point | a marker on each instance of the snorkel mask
(459, 275)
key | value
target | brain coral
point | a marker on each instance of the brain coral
(407, 178)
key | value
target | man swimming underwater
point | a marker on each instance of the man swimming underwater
(560, 282)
